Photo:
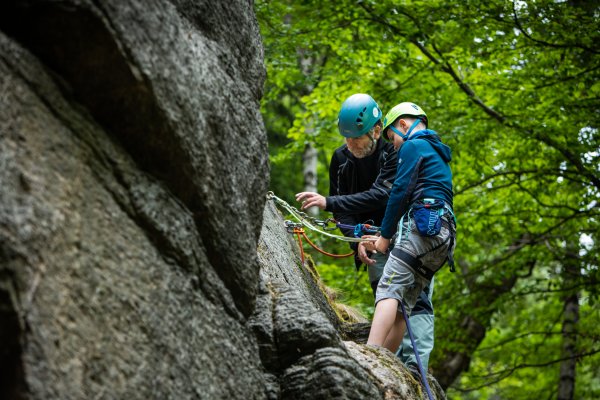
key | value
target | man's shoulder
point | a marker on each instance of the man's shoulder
(341, 148)
(341, 153)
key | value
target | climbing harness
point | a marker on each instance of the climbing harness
(427, 215)
(312, 223)
(414, 345)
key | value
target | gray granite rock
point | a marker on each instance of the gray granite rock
(328, 373)
(138, 258)
(128, 219)
(180, 95)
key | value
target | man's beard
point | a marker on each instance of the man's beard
(367, 151)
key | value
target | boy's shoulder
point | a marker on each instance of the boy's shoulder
(414, 145)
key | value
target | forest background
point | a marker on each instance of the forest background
(512, 87)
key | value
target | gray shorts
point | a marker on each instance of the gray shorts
(399, 281)
(376, 270)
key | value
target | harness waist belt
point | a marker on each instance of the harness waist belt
(412, 262)
(429, 201)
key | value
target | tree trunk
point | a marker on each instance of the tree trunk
(571, 274)
(309, 170)
(566, 383)
(470, 328)
(454, 363)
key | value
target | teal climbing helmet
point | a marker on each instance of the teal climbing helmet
(359, 113)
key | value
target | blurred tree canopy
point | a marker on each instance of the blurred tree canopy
(512, 87)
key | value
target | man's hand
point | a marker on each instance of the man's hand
(375, 243)
(311, 199)
(363, 256)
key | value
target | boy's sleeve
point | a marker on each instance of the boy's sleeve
(409, 162)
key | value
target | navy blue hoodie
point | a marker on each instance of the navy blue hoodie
(422, 173)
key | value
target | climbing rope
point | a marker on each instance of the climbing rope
(419, 364)
(305, 220)
(297, 229)
(312, 223)
(314, 246)
(298, 232)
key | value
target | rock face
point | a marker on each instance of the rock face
(133, 173)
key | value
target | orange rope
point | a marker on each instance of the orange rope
(298, 232)
(323, 251)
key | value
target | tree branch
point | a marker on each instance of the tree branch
(505, 373)
(447, 68)
(543, 43)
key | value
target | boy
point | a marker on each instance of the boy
(420, 205)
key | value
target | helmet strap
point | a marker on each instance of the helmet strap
(397, 132)
(373, 143)
(405, 136)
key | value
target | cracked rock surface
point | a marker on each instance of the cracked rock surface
(139, 258)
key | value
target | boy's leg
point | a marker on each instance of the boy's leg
(393, 339)
(384, 320)
(396, 283)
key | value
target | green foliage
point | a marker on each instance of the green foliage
(513, 88)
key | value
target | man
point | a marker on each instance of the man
(420, 206)
(361, 175)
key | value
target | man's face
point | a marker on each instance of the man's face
(359, 146)
(363, 146)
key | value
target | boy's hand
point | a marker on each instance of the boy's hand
(363, 256)
(311, 199)
(376, 243)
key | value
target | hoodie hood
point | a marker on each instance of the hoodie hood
(434, 140)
